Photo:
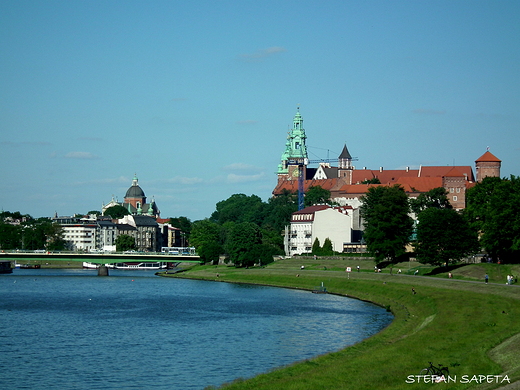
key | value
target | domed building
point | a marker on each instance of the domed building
(135, 202)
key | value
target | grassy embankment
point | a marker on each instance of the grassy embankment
(471, 327)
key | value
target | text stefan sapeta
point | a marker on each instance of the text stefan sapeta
(457, 379)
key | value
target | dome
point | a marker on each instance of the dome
(135, 191)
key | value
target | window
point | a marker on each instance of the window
(455, 198)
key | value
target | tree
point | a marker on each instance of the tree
(278, 211)
(316, 195)
(494, 211)
(206, 238)
(241, 243)
(239, 208)
(116, 212)
(210, 252)
(327, 249)
(443, 237)
(124, 242)
(54, 233)
(387, 225)
(94, 212)
(316, 247)
(10, 236)
(437, 198)
(184, 224)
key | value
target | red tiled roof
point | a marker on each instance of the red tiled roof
(312, 209)
(441, 171)
(488, 157)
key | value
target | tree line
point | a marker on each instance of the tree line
(21, 231)
(441, 235)
(246, 230)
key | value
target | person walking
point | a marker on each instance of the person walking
(486, 278)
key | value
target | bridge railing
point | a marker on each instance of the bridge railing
(97, 252)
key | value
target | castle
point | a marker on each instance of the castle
(348, 184)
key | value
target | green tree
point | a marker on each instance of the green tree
(239, 208)
(241, 243)
(116, 212)
(327, 249)
(210, 252)
(387, 224)
(54, 233)
(493, 209)
(443, 237)
(316, 195)
(206, 238)
(94, 212)
(316, 247)
(278, 211)
(124, 242)
(10, 236)
(437, 198)
(184, 224)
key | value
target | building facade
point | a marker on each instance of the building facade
(318, 222)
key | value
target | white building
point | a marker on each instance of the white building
(79, 233)
(321, 222)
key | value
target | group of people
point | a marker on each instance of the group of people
(510, 279)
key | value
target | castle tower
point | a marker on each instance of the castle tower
(487, 165)
(345, 166)
(295, 153)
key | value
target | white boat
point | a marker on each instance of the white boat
(128, 265)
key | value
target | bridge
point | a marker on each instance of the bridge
(101, 258)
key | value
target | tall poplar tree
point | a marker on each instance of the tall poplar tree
(387, 223)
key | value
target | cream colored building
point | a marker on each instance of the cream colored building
(321, 222)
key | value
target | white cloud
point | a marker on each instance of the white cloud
(81, 155)
(262, 54)
(241, 167)
(234, 178)
(184, 180)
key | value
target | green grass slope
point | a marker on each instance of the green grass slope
(469, 326)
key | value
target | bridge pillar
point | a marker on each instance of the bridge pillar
(102, 270)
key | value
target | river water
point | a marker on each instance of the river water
(71, 329)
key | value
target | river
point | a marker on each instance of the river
(71, 329)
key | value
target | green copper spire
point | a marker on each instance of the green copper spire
(295, 147)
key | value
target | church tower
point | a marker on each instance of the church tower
(294, 156)
(345, 166)
(487, 165)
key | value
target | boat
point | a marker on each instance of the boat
(128, 265)
(30, 266)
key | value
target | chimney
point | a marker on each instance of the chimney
(380, 169)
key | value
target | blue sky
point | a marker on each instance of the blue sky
(196, 97)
